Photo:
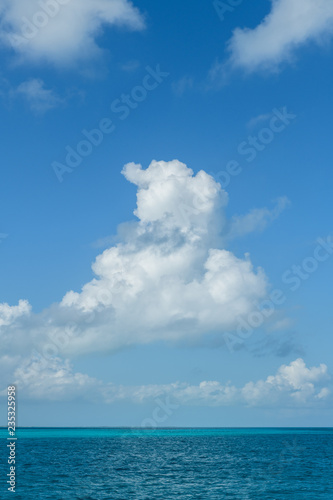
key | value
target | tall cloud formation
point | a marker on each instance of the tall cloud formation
(289, 25)
(62, 31)
(170, 278)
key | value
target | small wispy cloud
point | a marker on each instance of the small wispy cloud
(181, 86)
(131, 66)
(257, 219)
(251, 124)
(105, 242)
(39, 98)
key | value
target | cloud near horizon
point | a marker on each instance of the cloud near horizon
(290, 25)
(293, 386)
(62, 32)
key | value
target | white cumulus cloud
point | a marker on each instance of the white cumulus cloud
(290, 25)
(53, 379)
(171, 277)
(300, 383)
(62, 31)
(294, 385)
(9, 314)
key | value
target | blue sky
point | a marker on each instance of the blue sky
(159, 323)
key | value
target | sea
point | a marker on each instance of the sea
(156, 464)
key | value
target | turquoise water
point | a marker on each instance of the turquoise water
(124, 464)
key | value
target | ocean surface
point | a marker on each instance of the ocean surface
(125, 464)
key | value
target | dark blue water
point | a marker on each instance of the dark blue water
(120, 464)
